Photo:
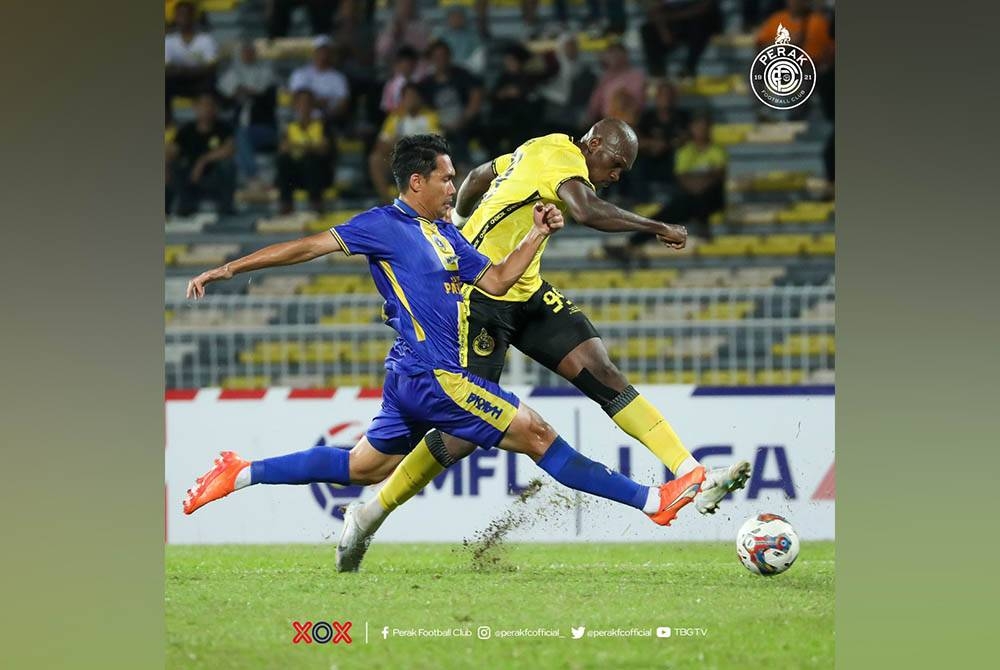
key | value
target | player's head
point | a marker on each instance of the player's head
(609, 147)
(424, 173)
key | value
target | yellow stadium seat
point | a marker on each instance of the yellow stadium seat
(730, 133)
(822, 245)
(727, 245)
(779, 377)
(246, 383)
(724, 378)
(813, 345)
(349, 315)
(778, 181)
(808, 212)
(724, 311)
(217, 5)
(171, 252)
(781, 245)
(365, 380)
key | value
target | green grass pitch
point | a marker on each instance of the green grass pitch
(233, 607)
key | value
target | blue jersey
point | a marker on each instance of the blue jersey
(421, 268)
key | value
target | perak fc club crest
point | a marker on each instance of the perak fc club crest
(782, 75)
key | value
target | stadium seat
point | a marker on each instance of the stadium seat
(725, 311)
(364, 380)
(730, 133)
(273, 353)
(727, 245)
(171, 252)
(778, 377)
(806, 212)
(781, 245)
(347, 315)
(822, 245)
(703, 278)
(797, 345)
(244, 383)
(206, 254)
(278, 285)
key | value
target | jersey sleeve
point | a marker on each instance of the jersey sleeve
(501, 163)
(364, 234)
(472, 264)
(560, 167)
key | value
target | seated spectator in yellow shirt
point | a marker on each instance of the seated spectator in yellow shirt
(305, 156)
(410, 118)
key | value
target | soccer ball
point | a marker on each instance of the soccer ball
(767, 544)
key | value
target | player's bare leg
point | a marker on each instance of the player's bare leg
(590, 369)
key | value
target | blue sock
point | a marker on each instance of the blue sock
(319, 464)
(571, 468)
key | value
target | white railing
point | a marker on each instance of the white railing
(725, 335)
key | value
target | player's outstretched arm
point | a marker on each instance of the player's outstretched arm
(472, 189)
(500, 277)
(590, 210)
(283, 253)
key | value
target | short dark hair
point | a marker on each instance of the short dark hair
(438, 44)
(416, 154)
(406, 52)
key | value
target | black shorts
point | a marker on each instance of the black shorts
(545, 328)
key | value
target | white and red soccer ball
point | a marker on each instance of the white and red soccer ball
(767, 544)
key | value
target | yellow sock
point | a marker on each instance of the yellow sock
(410, 477)
(645, 423)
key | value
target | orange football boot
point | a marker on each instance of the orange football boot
(676, 494)
(216, 483)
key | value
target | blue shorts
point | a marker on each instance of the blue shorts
(457, 403)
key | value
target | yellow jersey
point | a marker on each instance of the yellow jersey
(533, 173)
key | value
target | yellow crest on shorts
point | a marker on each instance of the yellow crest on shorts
(483, 344)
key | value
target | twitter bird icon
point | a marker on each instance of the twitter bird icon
(578, 632)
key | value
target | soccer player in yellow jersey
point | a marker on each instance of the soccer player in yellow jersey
(537, 318)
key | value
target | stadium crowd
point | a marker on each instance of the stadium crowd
(373, 82)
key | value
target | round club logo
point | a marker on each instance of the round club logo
(782, 75)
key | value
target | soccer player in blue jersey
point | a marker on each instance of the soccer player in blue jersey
(420, 264)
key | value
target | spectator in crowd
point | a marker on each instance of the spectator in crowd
(807, 28)
(752, 12)
(170, 152)
(190, 56)
(661, 131)
(404, 71)
(279, 16)
(701, 175)
(405, 27)
(328, 85)
(515, 105)
(203, 160)
(457, 96)
(305, 155)
(568, 91)
(412, 117)
(460, 36)
(618, 74)
(670, 23)
(251, 87)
